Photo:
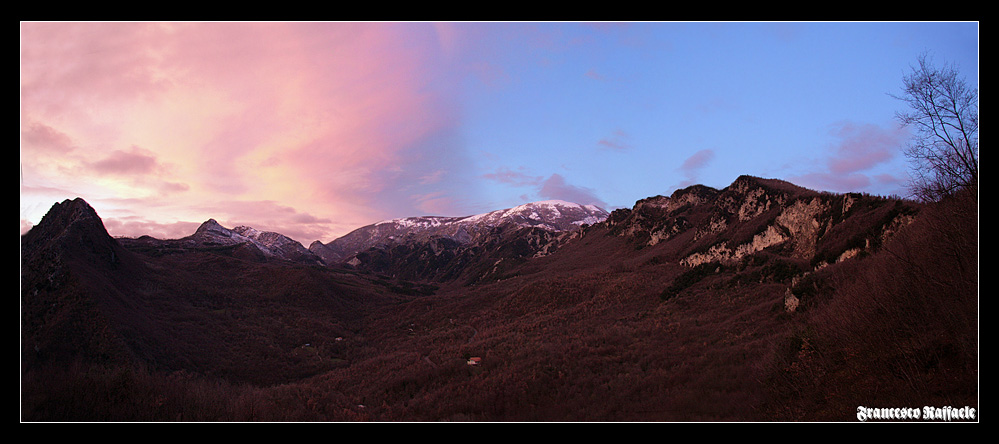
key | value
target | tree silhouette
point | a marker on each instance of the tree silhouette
(944, 116)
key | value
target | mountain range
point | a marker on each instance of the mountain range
(549, 216)
(760, 301)
(552, 215)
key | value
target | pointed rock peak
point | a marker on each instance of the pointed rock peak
(77, 208)
(210, 225)
(64, 214)
(72, 226)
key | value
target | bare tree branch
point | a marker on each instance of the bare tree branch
(944, 116)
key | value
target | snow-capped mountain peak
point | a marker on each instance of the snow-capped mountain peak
(269, 243)
(550, 215)
(554, 215)
(212, 231)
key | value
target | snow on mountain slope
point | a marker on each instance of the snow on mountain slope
(276, 244)
(250, 241)
(555, 215)
(551, 215)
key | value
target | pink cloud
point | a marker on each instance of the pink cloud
(823, 181)
(697, 161)
(854, 159)
(592, 74)
(436, 203)
(65, 64)
(266, 215)
(432, 177)
(518, 177)
(135, 226)
(38, 136)
(612, 145)
(556, 187)
(134, 161)
(615, 143)
(380, 113)
(692, 166)
(137, 217)
(328, 117)
(173, 187)
(862, 147)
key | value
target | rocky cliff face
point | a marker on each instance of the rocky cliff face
(753, 214)
(493, 255)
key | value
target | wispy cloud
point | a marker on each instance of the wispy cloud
(851, 163)
(618, 141)
(45, 138)
(697, 161)
(833, 182)
(556, 187)
(435, 203)
(519, 177)
(862, 147)
(692, 166)
(593, 74)
(135, 161)
(432, 177)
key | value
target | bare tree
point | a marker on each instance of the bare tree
(944, 116)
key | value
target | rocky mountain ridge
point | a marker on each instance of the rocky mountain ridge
(242, 241)
(753, 215)
(493, 255)
(249, 243)
(551, 215)
(694, 225)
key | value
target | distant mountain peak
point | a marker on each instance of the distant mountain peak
(550, 215)
(269, 243)
(558, 203)
(555, 215)
(210, 225)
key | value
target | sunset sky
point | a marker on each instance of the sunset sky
(314, 129)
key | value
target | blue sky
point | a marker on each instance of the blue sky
(622, 111)
(313, 129)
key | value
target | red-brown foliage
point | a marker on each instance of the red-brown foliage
(580, 335)
(897, 329)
